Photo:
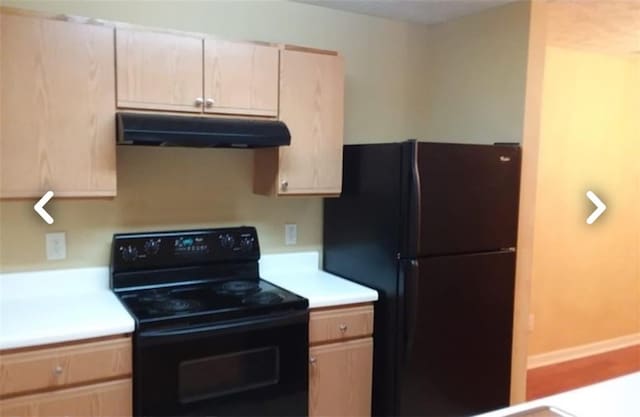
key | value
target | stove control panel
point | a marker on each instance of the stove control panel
(134, 251)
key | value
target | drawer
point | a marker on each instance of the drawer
(340, 323)
(108, 399)
(53, 367)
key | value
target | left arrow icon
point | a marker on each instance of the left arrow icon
(39, 207)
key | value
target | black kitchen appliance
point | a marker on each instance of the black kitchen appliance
(145, 129)
(432, 227)
(211, 338)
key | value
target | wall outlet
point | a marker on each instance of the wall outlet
(290, 234)
(56, 246)
(532, 322)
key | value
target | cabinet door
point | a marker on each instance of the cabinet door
(159, 71)
(57, 127)
(312, 106)
(240, 78)
(55, 367)
(109, 399)
(340, 379)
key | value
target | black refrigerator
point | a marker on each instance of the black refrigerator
(432, 227)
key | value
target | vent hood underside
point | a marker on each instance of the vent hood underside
(200, 132)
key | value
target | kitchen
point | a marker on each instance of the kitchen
(401, 80)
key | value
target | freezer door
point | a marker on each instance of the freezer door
(455, 356)
(468, 198)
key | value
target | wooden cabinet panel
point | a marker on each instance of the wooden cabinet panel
(109, 399)
(340, 324)
(54, 367)
(340, 378)
(240, 78)
(57, 128)
(159, 71)
(312, 106)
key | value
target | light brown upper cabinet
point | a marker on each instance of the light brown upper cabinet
(57, 129)
(183, 73)
(312, 106)
(159, 71)
(240, 78)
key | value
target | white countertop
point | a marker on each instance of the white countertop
(43, 307)
(618, 397)
(300, 274)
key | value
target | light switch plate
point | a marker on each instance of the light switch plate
(56, 246)
(290, 234)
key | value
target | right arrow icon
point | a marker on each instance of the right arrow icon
(600, 207)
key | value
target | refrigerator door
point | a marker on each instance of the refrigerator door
(455, 349)
(466, 198)
(361, 233)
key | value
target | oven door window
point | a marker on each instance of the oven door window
(228, 373)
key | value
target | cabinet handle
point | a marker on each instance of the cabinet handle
(343, 327)
(312, 360)
(199, 101)
(209, 102)
(284, 185)
(57, 370)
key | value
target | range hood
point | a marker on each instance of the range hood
(200, 132)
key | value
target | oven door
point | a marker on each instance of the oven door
(250, 367)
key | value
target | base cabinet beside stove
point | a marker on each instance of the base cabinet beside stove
(340, 361)
(77, 379)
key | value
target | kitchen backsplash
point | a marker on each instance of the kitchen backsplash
(158, 189)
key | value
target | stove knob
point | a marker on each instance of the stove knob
(129, 253)
(152, 246)
(227, 241)
(246, 244)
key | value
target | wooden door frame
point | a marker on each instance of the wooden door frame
(528, 190)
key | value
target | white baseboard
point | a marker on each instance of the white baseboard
(582, 351)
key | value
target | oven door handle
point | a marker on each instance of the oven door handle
(155, 337)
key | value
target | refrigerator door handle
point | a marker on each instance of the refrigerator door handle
(412, 298)
(415, 202)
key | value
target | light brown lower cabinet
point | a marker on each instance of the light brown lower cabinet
(90, 378)
(340, 378)
(97, 400)
(341, 361)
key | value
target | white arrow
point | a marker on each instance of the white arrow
(39, 207)
(600, 207)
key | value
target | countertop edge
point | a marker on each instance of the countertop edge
(76, 337)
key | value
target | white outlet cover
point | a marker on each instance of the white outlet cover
(56, 246)
(290, 234)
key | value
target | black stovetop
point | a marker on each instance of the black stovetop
(191, 277)
(213, 301)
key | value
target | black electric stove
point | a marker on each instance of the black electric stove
(208, 302)
(211, 338)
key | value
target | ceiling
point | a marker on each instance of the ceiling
(606, 26)
(418, 11)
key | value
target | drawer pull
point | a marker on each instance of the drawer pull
(57, 370)
(312, 360)
(343, 327)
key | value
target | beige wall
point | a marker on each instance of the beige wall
(476, 76)
(586, 279)
(396, 88)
